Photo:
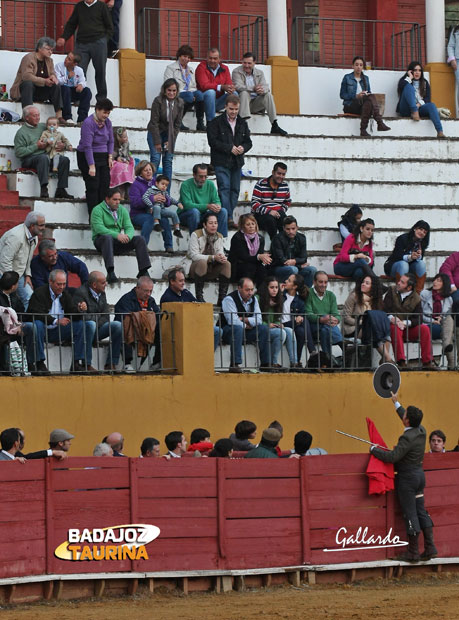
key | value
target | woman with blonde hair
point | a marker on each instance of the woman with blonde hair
(247, 251)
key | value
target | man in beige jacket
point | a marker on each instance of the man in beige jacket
(17, 246)
(36, 79)
(253, 91)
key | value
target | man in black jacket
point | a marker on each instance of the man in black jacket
(48, 319)
(228, 136)
(39, 454)
(95, 27)
(289, 253)
(91, 299)
(408, 456)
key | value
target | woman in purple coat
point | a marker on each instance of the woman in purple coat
(140, 214)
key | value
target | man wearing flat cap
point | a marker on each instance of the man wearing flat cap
(266, 449)
(60, 439)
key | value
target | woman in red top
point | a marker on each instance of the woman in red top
(356, 258)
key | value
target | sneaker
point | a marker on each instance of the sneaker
(178, 233)
(158, 228)
(111, 277)
(235, 368)
(62, 193)
(70, 122)
(44, 191)
(129, 368)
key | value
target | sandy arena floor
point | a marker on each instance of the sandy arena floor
(406, 599)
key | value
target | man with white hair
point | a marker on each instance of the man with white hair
(17, 247)
(30, 149)
(102, 449)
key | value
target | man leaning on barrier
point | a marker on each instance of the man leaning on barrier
(92, 301)
(51, 318)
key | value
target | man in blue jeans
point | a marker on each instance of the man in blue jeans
(322, 313)
(228, 136)
(73, 87)
(242, 322)
(92, 301)
(290, 256)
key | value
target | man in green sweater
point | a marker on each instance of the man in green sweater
(198, 196)
(322, 313)
(95, 27)
(266, 449)
(113, 233)
(29, 148)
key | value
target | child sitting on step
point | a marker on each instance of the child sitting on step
(122, 170)
(52, 136)
(163, 208)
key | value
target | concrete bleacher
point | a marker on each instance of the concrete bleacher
(398, 177)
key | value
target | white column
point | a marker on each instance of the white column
(127, 25)
(277, 28)
(435, 30)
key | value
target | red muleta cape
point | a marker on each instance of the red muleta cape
(380, 475)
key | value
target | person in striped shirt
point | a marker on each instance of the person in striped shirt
(271, 200)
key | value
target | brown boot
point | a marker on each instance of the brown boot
(381, 125)
(420, 281)
(415, 116)
(199, 289)
(222, 289)
(412, 554)
(430, 550)
(367, 109)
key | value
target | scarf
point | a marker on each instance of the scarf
(209, 248)
(437, 299)
(99, 123)
(253, 243)
(186, 76)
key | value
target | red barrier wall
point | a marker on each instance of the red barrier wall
(213, 513)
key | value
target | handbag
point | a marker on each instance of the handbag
(18, 362)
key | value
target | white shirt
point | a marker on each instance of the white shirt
(175, 456)
(319, 296)
(62, 74)
(286, 308)
(56, 310)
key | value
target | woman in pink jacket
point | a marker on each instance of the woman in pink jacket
(356, 258)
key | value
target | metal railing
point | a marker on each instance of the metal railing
(331, 42)
(161, 31)
(83, 345)
(23, 22)
(274, 349)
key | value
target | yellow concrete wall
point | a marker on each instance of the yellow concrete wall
(140, 406)
(443, 85)
(285, 84)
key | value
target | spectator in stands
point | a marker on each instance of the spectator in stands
(72, 82)
(36, 78)
(437, 441)
(451, 268)
(140, 210)
(95, 151)
(164, 126)
(93, 23)
(254, 93)
(349, 221)
(243, 431)
(290, 254)
(356, 257)
(50, 258)
(92, 302)
(242, 322)
(39, 454)
(229, 139)
(51, 318)
(200, 440)
(271, 199)
(60, 439)
(322, 313)
(114, 7)
(266, 449)
(208, 258)
(138, 299)
(183, 74)
(271, 302)
(17, 246)
(357, 98)
(176, 291)
(213, 79)
(403, 305)
(113, 234)
(30, 149)
(10, 441)
(408, 254)
(176, 444)
(302, 445)
(247, 252)
(437, 305)
(414, 97)
(150, 448)
(453, 55)
(223, 448)
(116, 442)
(364, 317)
(293, 315)
(9, 299)
(102, 449)
(199, 196)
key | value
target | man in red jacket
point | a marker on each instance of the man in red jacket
(213, 79)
